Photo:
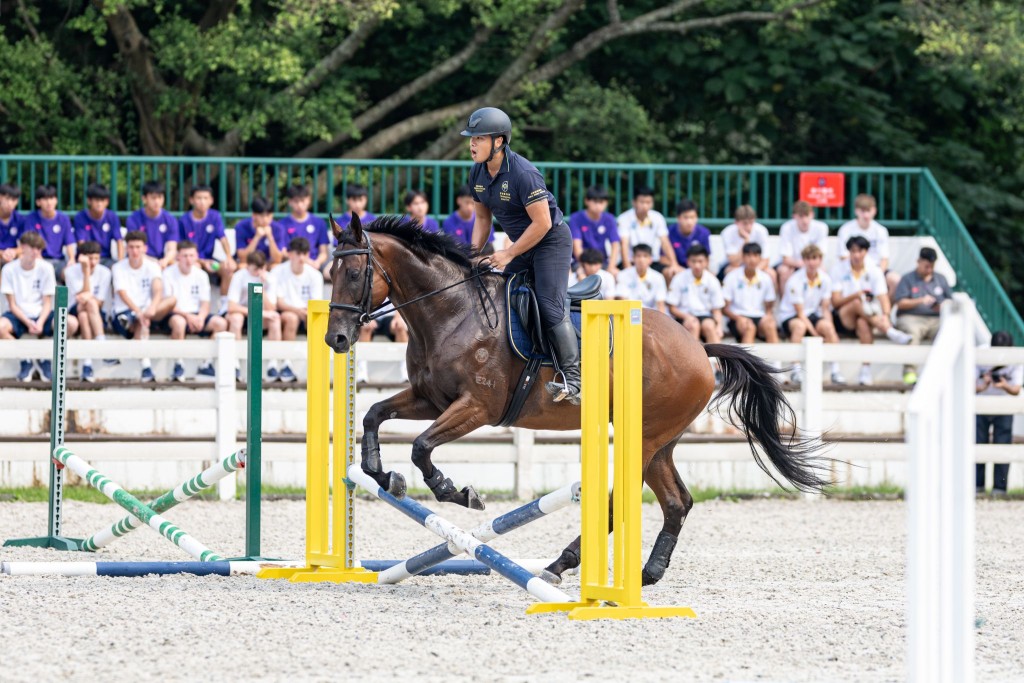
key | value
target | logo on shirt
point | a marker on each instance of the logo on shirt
(504, 186)
(307, 292)
(14, 231)
(163, 227)
(37, 285)
(56, 229)
(478, 188)
(209, 229)
(106, 227)
(309, 229)
(194, 291)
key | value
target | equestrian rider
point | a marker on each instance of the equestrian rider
(507, 187)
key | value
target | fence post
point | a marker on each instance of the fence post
(522, 439)
(811, 391)
(227, 417)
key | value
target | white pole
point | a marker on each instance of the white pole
(227, 411)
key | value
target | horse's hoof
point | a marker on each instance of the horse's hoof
(472, 500)
(550, 577)
(396, 485)
(648, 579)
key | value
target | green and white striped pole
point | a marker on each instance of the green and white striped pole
(189, 489)
(134, 506)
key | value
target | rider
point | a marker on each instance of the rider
(506, 186)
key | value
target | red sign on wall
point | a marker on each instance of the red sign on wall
(823, 189)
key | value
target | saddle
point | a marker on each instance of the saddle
(526, 334)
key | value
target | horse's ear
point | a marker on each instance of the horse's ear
(335, 228)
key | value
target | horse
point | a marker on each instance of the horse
(462, 373)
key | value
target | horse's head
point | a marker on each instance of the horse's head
(355, 291)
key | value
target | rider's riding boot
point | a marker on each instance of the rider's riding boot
(562, 338)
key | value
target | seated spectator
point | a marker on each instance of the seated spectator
(255, 272)
(54, 227)
(919, 296)
(416, 208)
(805, 308)
(89, 292)
(860, 301)
(643, 225)
(29, 284)
(592, 263)
(864, 225)
(189, 285)
(794, 235)
(356, 199)
(301, 223)
(10, 223)
(139, 301)
(260, 232)
(595, 228)
(746, 230)
(296, 282)
(460, 224)
(641, 282)
(687, 231)
(394, 328)
(97, 223)
(996, 381)
(749, 296)
(695, 297)
(156, 224)
(204, 228)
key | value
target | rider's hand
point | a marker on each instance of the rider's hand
(500, 259)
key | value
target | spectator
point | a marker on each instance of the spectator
(189, 285)
(54, 227)
(97, 223)
(255, 272)
(749, 295)
(643, 225)
(29, 285)
(10, 223)
(89, 292)
(416, 208)
(139, 300)
(860, 301)
(641, 281)
(794, 235)
(595, 228)
(460, 224)
(592, 263)
(746, 230)
(687, 231)
(204, 228)
(296, 283)
(695, 297)
(996, 381)
(875, 233)
(356, 200)
(301, 223)
(918, 298)
(156, 224)
(805, 308)
(260, 232)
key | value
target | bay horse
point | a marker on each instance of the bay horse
(462, 372)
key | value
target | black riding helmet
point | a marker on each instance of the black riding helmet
(489, 121)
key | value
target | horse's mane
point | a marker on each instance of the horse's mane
(420, 241)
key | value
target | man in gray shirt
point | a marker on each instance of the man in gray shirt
(918, 298)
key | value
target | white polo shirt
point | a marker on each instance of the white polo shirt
(297, 290)
(792, 241)
(846, 282)
(28, 286)
(733, 241)
(748, 297)
(800, 291)
(649, 289)
(696, 297)
(136, 282)
(99, 281)
(238, 290)
(649, 231)
(190, 290)
(876, 234)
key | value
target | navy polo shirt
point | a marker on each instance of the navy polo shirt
(517, 185)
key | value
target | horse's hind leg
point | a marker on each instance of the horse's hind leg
(461, 417)
(405, 405)
(663, 478)
(570, 557)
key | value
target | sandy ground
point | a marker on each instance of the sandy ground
(784, 590)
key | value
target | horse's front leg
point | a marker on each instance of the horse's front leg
(461, 417)
(405, 405)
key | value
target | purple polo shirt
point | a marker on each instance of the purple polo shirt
(203, 231)
(10, 231)
(345, 219)
(104, 230)
(593, 233)
(312, 228)
(57, 232)
(244, 232)
(159, 231)
(681, 243)
(461, 230)
(429, 224)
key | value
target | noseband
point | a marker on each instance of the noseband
(364, 309)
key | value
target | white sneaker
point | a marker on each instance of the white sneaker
(837, 378)
(797, 376)
(864, 377)
(898, 336)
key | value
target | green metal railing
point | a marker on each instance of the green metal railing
(910, 202)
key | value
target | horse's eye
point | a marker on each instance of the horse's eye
(353, 274)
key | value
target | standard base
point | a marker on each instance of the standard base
(56, 542)
(319, 574)
(598, 610)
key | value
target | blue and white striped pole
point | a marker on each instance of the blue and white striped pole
(536, 587)
(521, 516)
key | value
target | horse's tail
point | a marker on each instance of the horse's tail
(762, 409)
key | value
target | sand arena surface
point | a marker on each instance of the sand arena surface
(784, 590)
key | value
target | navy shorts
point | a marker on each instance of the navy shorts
(736, 333)
(165, 325)
(73, 310)
(813, 317)
(841, 329)
(384, 326)
(20, 328)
